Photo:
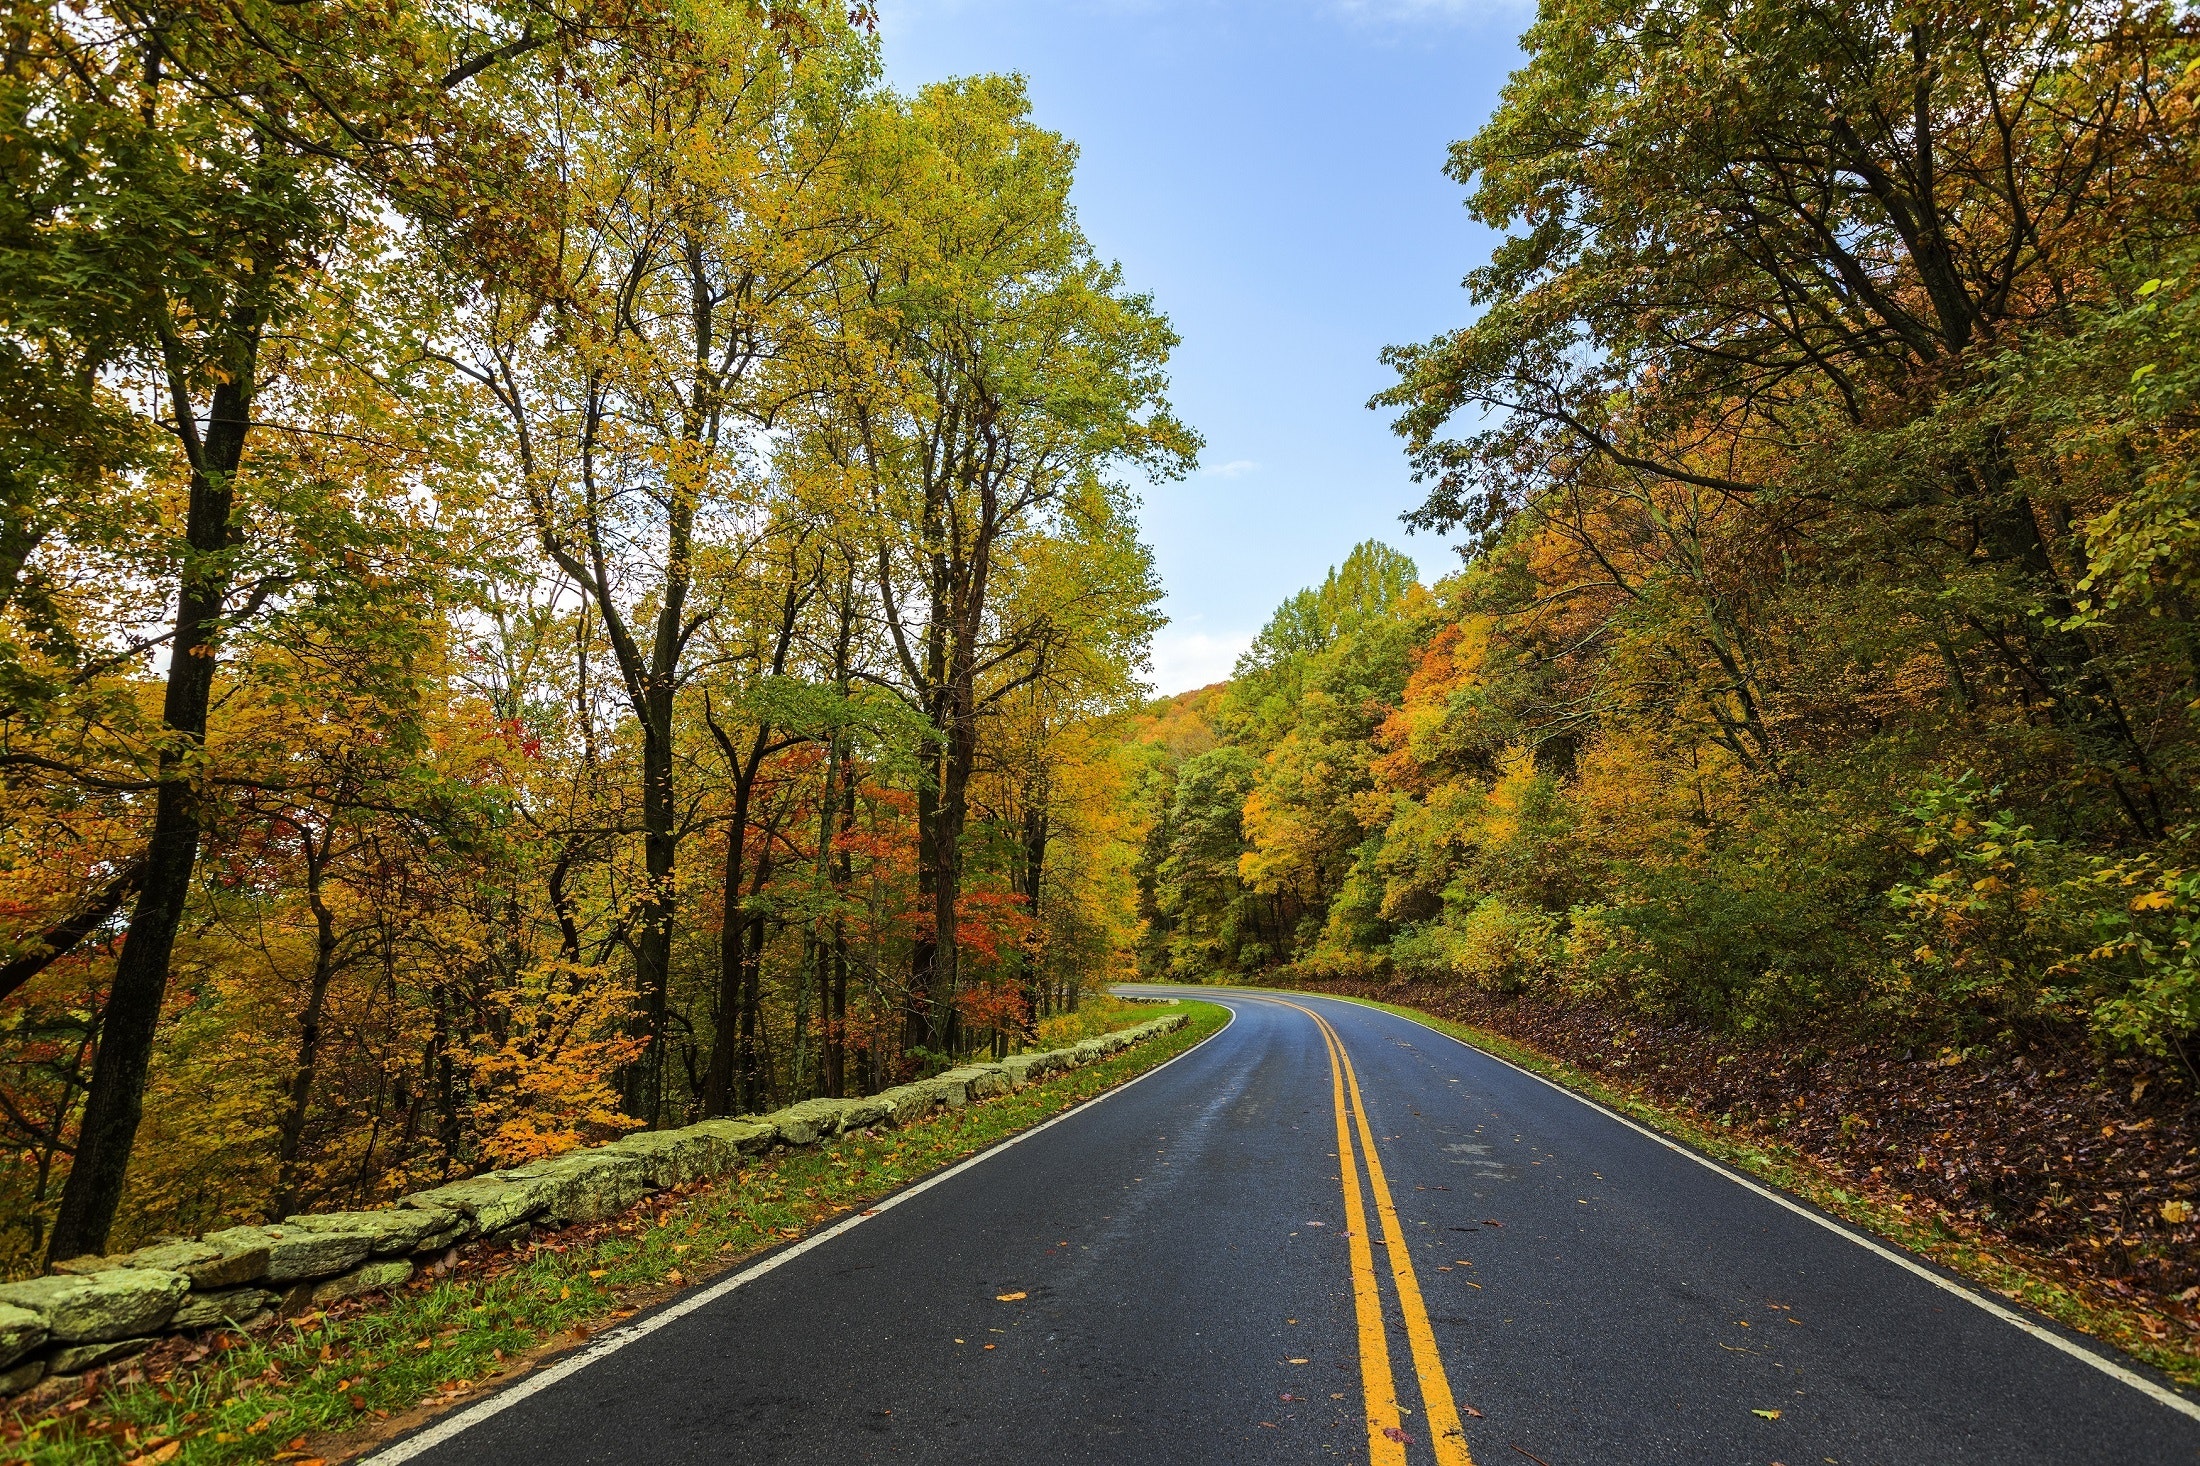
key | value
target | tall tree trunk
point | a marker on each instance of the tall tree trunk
(812, 976)
(660, 850)
(836, 1032)
(719, 1080)
(290, 1182)
(116, 1099)
(754, 1054)
(1031, 883)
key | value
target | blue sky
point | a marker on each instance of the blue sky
(1271, 172)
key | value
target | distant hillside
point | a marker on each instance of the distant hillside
(1181, 726)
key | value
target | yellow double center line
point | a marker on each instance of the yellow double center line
(1385, 1437)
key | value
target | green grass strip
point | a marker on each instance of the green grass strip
(324, 1378)
(1992, 1264)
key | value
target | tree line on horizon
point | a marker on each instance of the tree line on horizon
(1823, 663)
(561, 568)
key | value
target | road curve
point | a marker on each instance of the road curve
(1196, 1276)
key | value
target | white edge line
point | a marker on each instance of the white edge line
(617, 1338)
(2109, 1367)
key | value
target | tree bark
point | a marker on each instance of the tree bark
(290, 1183)
(115, 1102)
(719, 1079)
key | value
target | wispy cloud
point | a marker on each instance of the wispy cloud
(1183, 660)
(1235, 468)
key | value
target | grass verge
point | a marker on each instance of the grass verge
(328, 1386)
(1988, 1261)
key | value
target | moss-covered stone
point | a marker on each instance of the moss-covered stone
(19, 1377)
(377, 1276)
(861, 1114)
(680, 1157)
(946, 1091)
(906, 1104)
(808, 1122)
(587, 1185)
(301, 1253)
(172, 1257)
(492, 1203)
(76, 1358)
(973, 1081)
(20, 1332)
(113, 1304)
(241, 1255)
(229, 1308)
(395, 1230)
(747, 1135)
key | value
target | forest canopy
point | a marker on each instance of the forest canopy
(559, 571)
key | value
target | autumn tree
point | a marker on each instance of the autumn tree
(1017, 372)
(696, 217)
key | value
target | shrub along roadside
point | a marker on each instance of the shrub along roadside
(2061, 1292)
(329, 1385)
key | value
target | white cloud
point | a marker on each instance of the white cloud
(1235, 468)
(1184, 660)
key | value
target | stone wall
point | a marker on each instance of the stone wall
(94, 1310)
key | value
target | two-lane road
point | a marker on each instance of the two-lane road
(1331, 1234)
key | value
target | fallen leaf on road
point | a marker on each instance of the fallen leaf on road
(1392, 1432)
(1766, 1414)
(1008, 1297)
(1472, 1411)
(1294, 1361)
(1289, 1398)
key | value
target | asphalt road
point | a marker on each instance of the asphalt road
(1197, 1278)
